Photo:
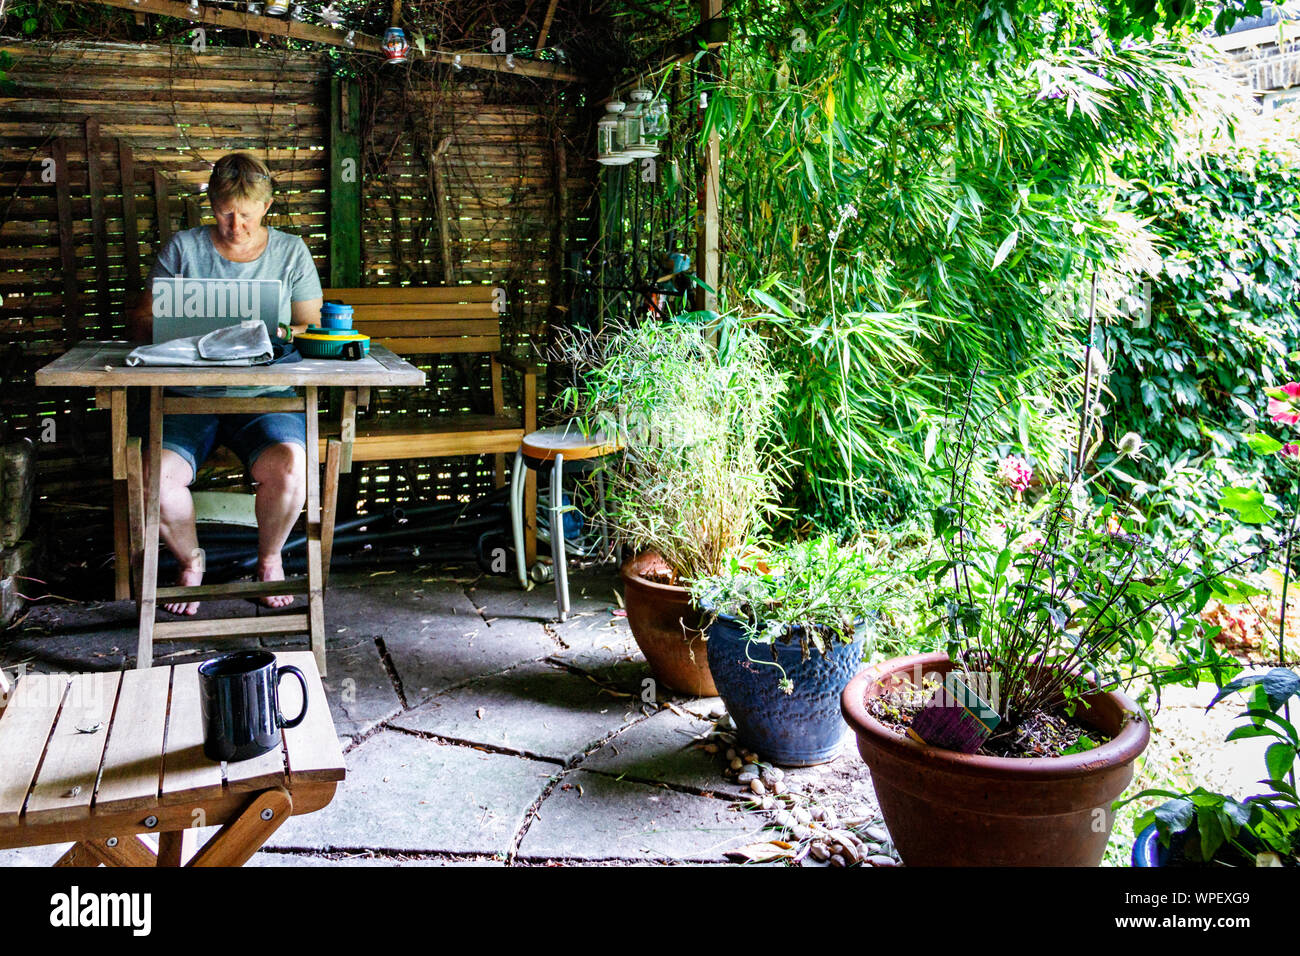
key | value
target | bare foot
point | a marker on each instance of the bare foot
(273, 570)
(190, 576)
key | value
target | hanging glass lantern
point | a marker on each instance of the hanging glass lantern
(609, 136)
(635, 142)
(277, 8)
(656, 121)
(254, 9)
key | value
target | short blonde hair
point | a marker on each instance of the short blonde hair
(239, 176)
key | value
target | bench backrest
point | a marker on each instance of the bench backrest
(425, 321)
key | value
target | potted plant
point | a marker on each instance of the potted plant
(1202, 828)
(694, 406)
(1048, 608)
(783, 641)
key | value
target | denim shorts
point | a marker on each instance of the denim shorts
(193, 437)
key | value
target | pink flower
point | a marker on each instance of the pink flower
(1014, 472)
(1285, 412)
(1291, 450)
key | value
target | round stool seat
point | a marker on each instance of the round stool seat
(569, 441)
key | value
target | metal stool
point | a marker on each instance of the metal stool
(555, 446)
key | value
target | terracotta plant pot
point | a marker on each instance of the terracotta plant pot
(945, 808)
(657, 614)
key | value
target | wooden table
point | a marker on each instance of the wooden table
(144, 729)
(102, 366)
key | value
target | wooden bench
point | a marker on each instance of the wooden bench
(444, 320)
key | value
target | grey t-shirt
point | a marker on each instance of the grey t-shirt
(191, 254)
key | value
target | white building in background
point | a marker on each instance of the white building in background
(1264, 53)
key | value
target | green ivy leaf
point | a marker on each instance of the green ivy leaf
(1249, 505)
(1263, 444)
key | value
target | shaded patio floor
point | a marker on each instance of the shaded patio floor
(477, 728)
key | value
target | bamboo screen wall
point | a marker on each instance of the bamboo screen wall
(482, 181)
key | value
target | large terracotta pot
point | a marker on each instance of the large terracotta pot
(945, 808)
(657, 614)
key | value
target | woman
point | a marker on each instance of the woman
(272, 446)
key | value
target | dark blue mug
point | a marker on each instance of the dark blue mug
(240, 699)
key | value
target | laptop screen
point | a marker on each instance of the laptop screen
(183, 306)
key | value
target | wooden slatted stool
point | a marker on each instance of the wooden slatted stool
(553, 447)
(103, 757)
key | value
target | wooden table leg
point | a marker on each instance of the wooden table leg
(149, 575)
(243, 836)
(171, 847)
(315, 595)
(121, 530)
(135, 511)
(79, 854)
(333, 455)
(127, 850)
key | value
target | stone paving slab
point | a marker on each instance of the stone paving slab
(88, 637)
(591, 595)
(658, 749)
(408, 794)
(360, 693)
(618, 819)
(34, 855)
(264, 858)
(436, 638)
(535, 709)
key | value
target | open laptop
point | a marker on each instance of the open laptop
(183, 306)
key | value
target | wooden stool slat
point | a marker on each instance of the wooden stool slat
(258, 773)
(66, 780)
(186, 772)
(313, 746)
(26, 727)
(133, 760)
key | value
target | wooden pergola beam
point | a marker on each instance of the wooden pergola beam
(279, 26)
(707, 246)
(708, 36)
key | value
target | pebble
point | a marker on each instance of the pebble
(736, 763)
(746, 777)
(783, 818)
(757, 786)
(876, 834)
(837, 860)
(752, 768)
(873, 848)
(731, 753)
(802, 815)
(879, 859)
(819, 813)
(831, 819)
(779, 786)
(772, 774)
(710, 748)
(820, 852)
(801, 832)
(769, 802)
(850, 853)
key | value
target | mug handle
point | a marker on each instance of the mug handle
(279, 717)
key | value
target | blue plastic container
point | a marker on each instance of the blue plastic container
(336, 315)
(798, 729)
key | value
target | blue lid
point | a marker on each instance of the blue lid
(335, 308)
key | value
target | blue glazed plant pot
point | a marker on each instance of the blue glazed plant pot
(1147, 850)
(797, 729)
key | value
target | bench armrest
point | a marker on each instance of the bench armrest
(528, 413)
(528, 368)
